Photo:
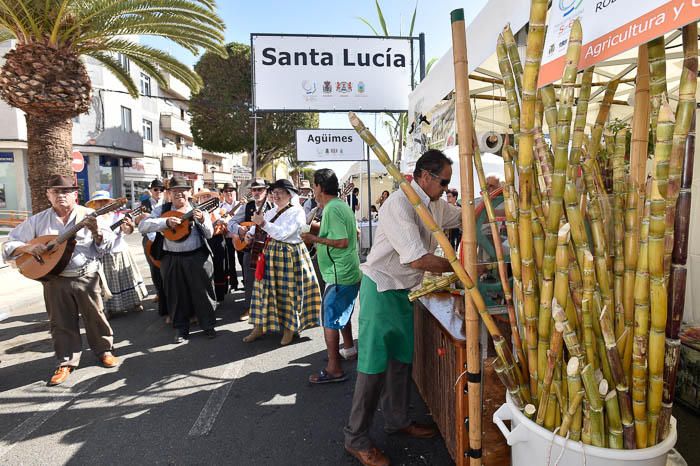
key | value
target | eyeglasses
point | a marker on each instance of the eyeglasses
(257, 190)
(280, 192)
(443, 181)
(157, 190)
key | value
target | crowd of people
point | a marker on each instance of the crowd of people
(298, 251)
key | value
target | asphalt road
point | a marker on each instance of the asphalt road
(215, 401)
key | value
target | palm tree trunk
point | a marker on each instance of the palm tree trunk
(49, 147)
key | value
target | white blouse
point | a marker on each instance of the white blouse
(287, 227)
(120, 244)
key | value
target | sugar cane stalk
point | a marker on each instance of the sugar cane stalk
(657, 85)
(680, 194)
(504, 66)
(659, 299)
(533, 56)
(614, 424)
(619, 190)
(597, 424)
(514, 56)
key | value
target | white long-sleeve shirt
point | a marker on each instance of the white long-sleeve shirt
(47, 222)
(403, 238)
(287, 228)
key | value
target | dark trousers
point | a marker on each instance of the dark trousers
(189, 288)
(221, 266)
(157, 282)
(231, 253)
(392, 390)
(66, 299)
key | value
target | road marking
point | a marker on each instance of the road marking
(45, 412)
(204, 423)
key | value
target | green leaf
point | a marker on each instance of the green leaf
(368, 24)
(381, 18)
(413, 20)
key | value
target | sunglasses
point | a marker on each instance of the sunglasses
(257, 190)
(158, 190)
(443, 182)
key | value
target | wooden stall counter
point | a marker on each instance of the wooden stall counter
(439, 365)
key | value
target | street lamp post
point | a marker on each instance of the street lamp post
(255, 118)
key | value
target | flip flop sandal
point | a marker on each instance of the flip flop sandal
(324, 377)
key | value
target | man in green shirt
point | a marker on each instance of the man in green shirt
(339, 262)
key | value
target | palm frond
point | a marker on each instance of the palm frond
(381, 18)
(430, 64)
(6, 34)
(117, 70)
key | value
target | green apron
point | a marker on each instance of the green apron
(386, 328)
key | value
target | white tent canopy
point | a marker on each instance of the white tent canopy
(491, 113)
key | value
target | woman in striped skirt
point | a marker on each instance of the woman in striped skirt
(123, 277)
(287, 298)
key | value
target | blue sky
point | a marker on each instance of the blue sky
(244, 17)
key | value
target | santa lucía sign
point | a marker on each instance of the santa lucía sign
(331, 73)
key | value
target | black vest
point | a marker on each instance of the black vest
(250, 210)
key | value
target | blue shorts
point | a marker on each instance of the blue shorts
(338, 303)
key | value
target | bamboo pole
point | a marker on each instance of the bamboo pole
(533, 56)
(466, 154)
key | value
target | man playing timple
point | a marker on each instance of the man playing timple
(186, 267)
(340, 267)
(258, 190)
(228, 208)
(77, 290)
(402, 252)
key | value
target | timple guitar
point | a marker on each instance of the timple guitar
(59, 248)
(182, 231)
(241, 244)
(220, 227)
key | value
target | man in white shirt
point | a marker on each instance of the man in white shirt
(77, 290)
(156, 200)
(401, 254)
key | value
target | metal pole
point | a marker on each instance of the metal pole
(255, 145)
(421, 55)
(369, 195)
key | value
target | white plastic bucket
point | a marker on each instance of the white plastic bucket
(530, 445)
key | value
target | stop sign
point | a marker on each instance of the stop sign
(78, 162)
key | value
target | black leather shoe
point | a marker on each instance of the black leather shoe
(210, 333)
(180, 338)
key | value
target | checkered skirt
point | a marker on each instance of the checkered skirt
(288, 296)
(124, 280)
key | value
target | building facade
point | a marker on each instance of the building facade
(126, 142)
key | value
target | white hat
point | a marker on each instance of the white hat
(98, 196)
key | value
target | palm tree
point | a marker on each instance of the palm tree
(45, 77)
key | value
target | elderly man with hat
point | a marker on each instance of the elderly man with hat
(239, 225)
(78, 289)
(157, 192)
(186, 265)
(286, 296)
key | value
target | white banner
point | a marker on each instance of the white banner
(329, 145)
(609, 28)
(331, 73)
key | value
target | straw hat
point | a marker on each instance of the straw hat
(204, 194)
(98, 196)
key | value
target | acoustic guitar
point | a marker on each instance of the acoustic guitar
(59, 248)
(130, 214)
(220, 227)
(182, 231)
